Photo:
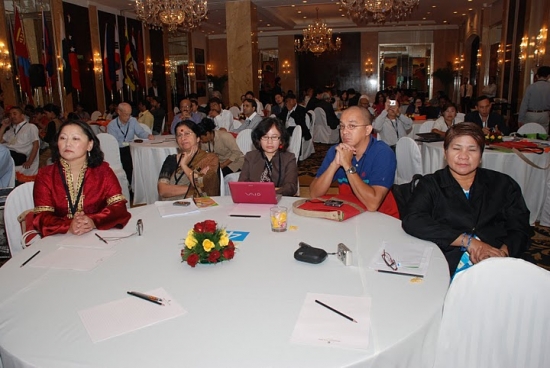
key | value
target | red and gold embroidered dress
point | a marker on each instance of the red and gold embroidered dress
(101, 200)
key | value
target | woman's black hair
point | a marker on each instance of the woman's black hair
(207, 125)
(264, 126)
(52, 108)
(95, 157)
(191, 125)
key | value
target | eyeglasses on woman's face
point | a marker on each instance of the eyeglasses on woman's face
(274, 138)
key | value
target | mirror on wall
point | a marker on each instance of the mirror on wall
(406, 66)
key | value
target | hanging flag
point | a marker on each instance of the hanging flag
(140, 59)
(133, 51)
(22, 56)
(67, 75)
(128, 64)
(47, 52)
(107, 46)
(118, 62)
(73, 59)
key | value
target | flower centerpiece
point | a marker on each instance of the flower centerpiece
(206, 243)
(493, 138)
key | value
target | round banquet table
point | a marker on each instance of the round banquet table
(148, 157)
(240, 313)
(533, 181)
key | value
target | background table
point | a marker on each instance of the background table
(533, 181)
(148, 158)
(241, 313)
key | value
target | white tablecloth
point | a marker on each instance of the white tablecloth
(148, 158)
(415, 128)
(241, 313)
(533, 181)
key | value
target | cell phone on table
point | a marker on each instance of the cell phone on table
(333, 203)
(392, 102)
(181, 203)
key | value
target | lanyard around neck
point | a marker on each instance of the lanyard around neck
(127, 128)
(18, 130)
(72, 206)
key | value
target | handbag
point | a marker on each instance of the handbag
(315, 207)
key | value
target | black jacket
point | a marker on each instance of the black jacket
(299, 116)
(496, 212)
(494, 119)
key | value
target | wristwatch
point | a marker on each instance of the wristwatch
(352, 170)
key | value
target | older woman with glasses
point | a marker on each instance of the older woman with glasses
(471, 213)
(191, 173)
(271, 162)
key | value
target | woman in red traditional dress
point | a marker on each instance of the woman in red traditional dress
(79, 192)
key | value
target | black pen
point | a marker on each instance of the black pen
(253, 216)
(149, 298)
(400, 273)
(335, 311)
(100, 238)
(28, 260)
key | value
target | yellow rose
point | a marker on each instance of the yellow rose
(499, 137)
(207, 244)
(190, 242)
(224, 239)
(492, 137)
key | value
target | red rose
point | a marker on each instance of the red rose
(209, 226)
(213, 256)
(192, 259)
(231, 244)
(198, 228)
(228, 252)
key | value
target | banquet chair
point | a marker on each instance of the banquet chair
(95, 115)
(426, 126)
(307, 146)
(19, 200)
(295, 142)
(496, 314)
(109, 146)
(146, 128)
(409, 160)
(531, 128)
(321, 131)
(460, 117)
(229, 178)
(12, 179)
(162, 126)
(222, 182)
(234, 110)
(244, 140)
(176, 110)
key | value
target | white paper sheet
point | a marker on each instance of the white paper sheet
(411, 258)
(317, 325)
(90, 240)
(79, 259)
(167, 208)
(128, 314)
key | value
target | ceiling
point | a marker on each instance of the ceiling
(291, 16)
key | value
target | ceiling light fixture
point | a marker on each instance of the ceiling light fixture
(182, 15)
(379, 10)
(317, 39)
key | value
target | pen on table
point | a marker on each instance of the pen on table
(28, 260)
(253, 216)
(149, 298)
(400, 273)
(100, 238)
(335, 311)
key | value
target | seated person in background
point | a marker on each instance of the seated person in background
(363, 166)
(270, 161)
(124, 127)
(191, 173)
(259, 106)
(159, 114)
(6, 166)
(490, 90)
(22, 140)
(293, 115)
(353, 97)
(365, 103)
(379, 103)
(222, 144)
(223, 118)
(391, 124)
(490, 122)
(111, 112)
(471, 213)
(417, 108)
(52, 113)
(186, 113)
(195, 109)
(145, 116)
(279, 104)
(79, 192)
(252, 118)
(81, 113)
(447, 119)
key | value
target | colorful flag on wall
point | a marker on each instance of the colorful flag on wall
(47, 53)
(128, 63)
(118, 62)
(67, 76)
(22, 56)
(73, 60)
(107, 46)
(133, 50)
(140, 59)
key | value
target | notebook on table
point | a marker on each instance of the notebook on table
(429, 137)
(254, 192)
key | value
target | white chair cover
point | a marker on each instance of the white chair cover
(222, 183)
(409, 160)
(176, 110)
(95, 115)
(244, 140)
(496, 314)
(234, 111)
(460, 117)
(19, 200)
(321, 131)
(531, 128)
(268, 108)
(95, 128)
(426, 126)
(12, 179)
(229, 178)
(295, 142)
(307, 146)
(109, 146)
(236, 124)
(163, 124)
(146, 128)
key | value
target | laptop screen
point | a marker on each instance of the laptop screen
(253, 192)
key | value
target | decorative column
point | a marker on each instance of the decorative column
(287, 63)
(98, 60)
(7, 85)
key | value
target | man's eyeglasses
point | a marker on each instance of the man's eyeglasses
(389, 260)
(265, 138)
(350, 126)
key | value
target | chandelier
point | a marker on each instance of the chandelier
(317, 39)
(176, 14)
(378, 10)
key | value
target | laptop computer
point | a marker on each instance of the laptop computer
(254, 192)
(429, 137)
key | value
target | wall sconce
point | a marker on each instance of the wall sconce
(478, 57)
(209, 68)
(500, 56)
(260, 74)
(5, 62)
(540, 42)
(523, 52)
(149, 67)
(285, 67)
(191, 70)
(458, 65)
(369, 69)
(98, 66)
